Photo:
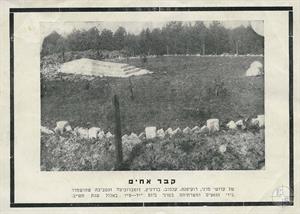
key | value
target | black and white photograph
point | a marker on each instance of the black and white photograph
(149, 107)
(168, 95)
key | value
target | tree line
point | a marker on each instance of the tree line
(173, 38)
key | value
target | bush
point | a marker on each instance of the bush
(75, 154)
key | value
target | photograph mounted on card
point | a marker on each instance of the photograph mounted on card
(152, 106)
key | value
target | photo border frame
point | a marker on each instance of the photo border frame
(288, 9)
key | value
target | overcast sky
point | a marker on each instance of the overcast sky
(65, 28)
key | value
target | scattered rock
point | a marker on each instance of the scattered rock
(62, 126)
(101, 135)
(93, 132)
(222, 148)
(124, 137)
(255, 122)
(142, 135)
(133, 139)
(108, 135)
(231, 125)
(169, 132)
(160, 133)
(240, 124)
(176, 131)
(150, 132)
(213, 125)
(261, 120)
(204, 130)
(82, 132)
(187, 130)
(134, 136)
(196, 129)
(45, 130)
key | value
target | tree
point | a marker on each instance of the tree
(119, 38)
(52, 44)
(243, 40)
(218, 38)
(186, 39)
(78, 40)
(156, 42)
(61, 47)
(237, 37)
(172, 33)
(93, 38)
(106, 39)
(145, 42)
(253, 42)
(131, 45)
(199, 36)
(173, 38)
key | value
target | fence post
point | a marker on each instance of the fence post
(118, 134)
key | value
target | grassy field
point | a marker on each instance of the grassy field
(182, 91)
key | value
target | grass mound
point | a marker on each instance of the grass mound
(232, 150)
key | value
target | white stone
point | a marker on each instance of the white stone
(108, 135)
(196, 129)
(133, 135)
(240, 124)
(261, 120)
(176, 131)
(133, 138)
(56, 130)
(150, 132)
(160, 133)
(213, 125)
(76, 130)
(222, 148)
(254, 121)
(93, 132)
(255, 69)
(204, 129)
(68, 128)
(187, 130)
(142, 135)
(82, 132)
(169, 131)
(101, 135)
(124, 137)
(231, 125)
(62, 126)
(45, 130)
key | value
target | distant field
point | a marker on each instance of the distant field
(182, 91)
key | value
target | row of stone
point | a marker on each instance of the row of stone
(212, 125)
(64, 127)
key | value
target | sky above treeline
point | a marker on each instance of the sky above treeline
(65, 28)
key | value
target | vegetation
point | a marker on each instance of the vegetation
(182, 91)
(174, 38)
(232, 150)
